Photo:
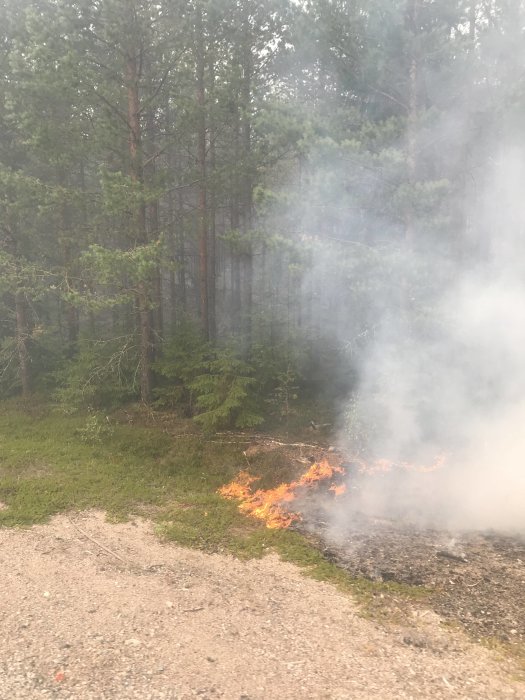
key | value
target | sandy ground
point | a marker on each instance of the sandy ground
(166, 622)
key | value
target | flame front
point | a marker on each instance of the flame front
(379, 466)
(270, 505)
(267, 504)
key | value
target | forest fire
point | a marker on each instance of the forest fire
(268, 504)
(379, 466)
(271, 505)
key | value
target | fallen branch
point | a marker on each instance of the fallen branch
(99, 544)
(293, 444)
(232, 442)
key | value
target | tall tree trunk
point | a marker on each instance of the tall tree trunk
(21, 342)
(177, 279)
(72, 320)
(181, 255)
(235, 263)
(84, 218)
(154, 230)
(412, 117)
(171, 226)
(235, 223)
(201, 160)
(465, 203)
(212, 243)
(145, 342)
(247, 181)
(137, 175)
(135, 144)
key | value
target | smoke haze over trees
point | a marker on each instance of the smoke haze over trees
(220, 206)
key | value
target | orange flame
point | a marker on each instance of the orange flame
(387, 465)
(266, 504)
(338, 490)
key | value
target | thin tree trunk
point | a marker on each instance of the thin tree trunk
(181, 256)
(247, 183)
(72, 321)
(465, 203)
(145, 342)
(82, 171)
(201, 160)
(173, 297)
(412, 120)
(212, 247)
(137, 175)
(236, 299)
(135, 144)
(21, 343)
(154, 229)
(171, 228)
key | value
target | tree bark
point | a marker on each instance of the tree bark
(135, 144)
(466, 191)
(201, 161)
(72, 320)
(412, 117)
(247, 181)
(21, 343)
(154, 229)
(171, 226)
(212, 241)
(145, 342)
(181, 255)
(137, 175)
(235, 222)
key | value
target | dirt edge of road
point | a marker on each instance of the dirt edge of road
(92, 609)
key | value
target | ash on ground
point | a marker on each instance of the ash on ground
(476, 579)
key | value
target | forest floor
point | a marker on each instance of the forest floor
(102, 601)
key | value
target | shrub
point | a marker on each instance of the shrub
(212, 384)
(102, 375)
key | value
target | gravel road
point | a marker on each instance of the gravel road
(93, 610)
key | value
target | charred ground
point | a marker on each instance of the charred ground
(472, 579)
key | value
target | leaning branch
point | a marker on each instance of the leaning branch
(99, 544)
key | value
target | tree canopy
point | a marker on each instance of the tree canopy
(204, 202)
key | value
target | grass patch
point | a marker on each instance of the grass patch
(220, 527)
(47, 466)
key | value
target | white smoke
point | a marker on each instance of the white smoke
(454, 383)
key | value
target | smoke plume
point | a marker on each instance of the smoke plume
(445, 375)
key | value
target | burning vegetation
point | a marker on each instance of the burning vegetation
(271, 505)
(472, 578)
